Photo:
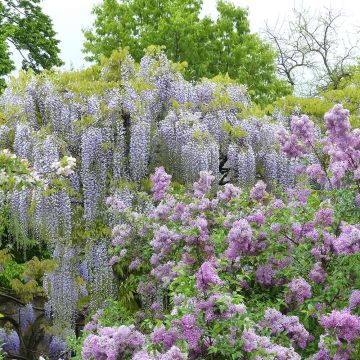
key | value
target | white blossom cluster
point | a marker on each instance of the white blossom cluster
(65, 166)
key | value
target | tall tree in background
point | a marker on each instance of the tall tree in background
(31, 33)
(311, 55)
(223, 46)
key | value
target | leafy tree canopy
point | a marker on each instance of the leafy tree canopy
(30, 31)
(223, 46)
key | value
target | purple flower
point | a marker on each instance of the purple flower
(190, 331)
(220, 307)
(265, 275)
(26, 316)
(337, 124)
(166, 337)
(255, 343)
(303, 128)
(344, 325)
(290, 324)
(316, 171)
(357, 200)
(114, 260)
(257, 218)
(230, 192)
(160, 183)
(354, 300)
(299, 291)
(112, 343)
(325, 216)
(207, 275)
(135, 264)
(258, 192)
(58, 348)
(203, 186)
(318, 274)
(290, 144)
(349, 240)
(240, 239)
(11, 341)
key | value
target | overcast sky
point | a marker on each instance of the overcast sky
(70, 16)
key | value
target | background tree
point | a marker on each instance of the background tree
(210, 47)
(31, 33)
(311, 52)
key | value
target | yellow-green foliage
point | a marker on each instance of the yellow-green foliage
(34, 271)
(26, 292)
(5, 257)
(347, 94)
(35, 268)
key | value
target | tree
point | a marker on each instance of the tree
(211, 47)
(30, 32)
(312, 46)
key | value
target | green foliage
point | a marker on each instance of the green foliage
(224, 46)
(347, 94)
(30, 31)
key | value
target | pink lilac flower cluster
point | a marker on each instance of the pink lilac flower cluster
(342, 145)
(160, 183)
(258, 192)
(290, 324)
(120, 234)
(354, 300)
(190, 331)
(203, 185)
(301, 139)
(112, 343)
(164, 240)
(348, 242)
(265, 275)
(167, 338)
(174, 353)
(206, 276)
(300, 290)
(220, 307)
(345, 326)
(254, 343)
(317, 273)
(230, 192)
(240, 239)
(325, 216)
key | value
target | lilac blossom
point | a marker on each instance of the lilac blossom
(230, 192)
(207, 275)
(203, 185)
(290, 324)
(258, 192)
(299, 291)
(160, 183)
(354, 300)
(255, 343)
(318, 274)
(343, 324)
(190, 331)
(265, 275)
(112, 343)
(240, 239)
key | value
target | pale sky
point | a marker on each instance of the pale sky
(70, 16)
